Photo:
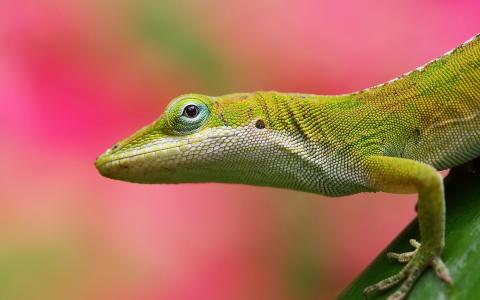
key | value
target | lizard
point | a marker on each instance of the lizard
(392, 138)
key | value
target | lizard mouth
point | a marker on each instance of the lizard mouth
(106, 158)
(155, 159)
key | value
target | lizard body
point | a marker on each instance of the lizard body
(392, 138)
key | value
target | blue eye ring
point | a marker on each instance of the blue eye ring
(187, 115)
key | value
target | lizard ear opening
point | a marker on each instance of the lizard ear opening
(260, 124)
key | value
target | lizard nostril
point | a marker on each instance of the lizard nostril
(114, 147)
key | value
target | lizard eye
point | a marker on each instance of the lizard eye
(187, 115)
(190, 111)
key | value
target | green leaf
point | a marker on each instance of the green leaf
(462, 246)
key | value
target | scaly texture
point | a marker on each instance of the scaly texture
(392, 138)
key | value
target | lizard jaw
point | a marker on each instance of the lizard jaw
(160, 159)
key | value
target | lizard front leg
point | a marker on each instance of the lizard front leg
(399, 175)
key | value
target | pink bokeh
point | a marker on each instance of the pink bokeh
(76, 76)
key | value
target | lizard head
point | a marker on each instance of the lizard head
(197, 139)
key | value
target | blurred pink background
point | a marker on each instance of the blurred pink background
(76, 76)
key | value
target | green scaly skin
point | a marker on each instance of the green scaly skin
(391, 138)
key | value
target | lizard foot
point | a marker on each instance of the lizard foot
(417, 260)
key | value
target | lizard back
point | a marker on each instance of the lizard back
(432, 114)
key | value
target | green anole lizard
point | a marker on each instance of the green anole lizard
(392, 138)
